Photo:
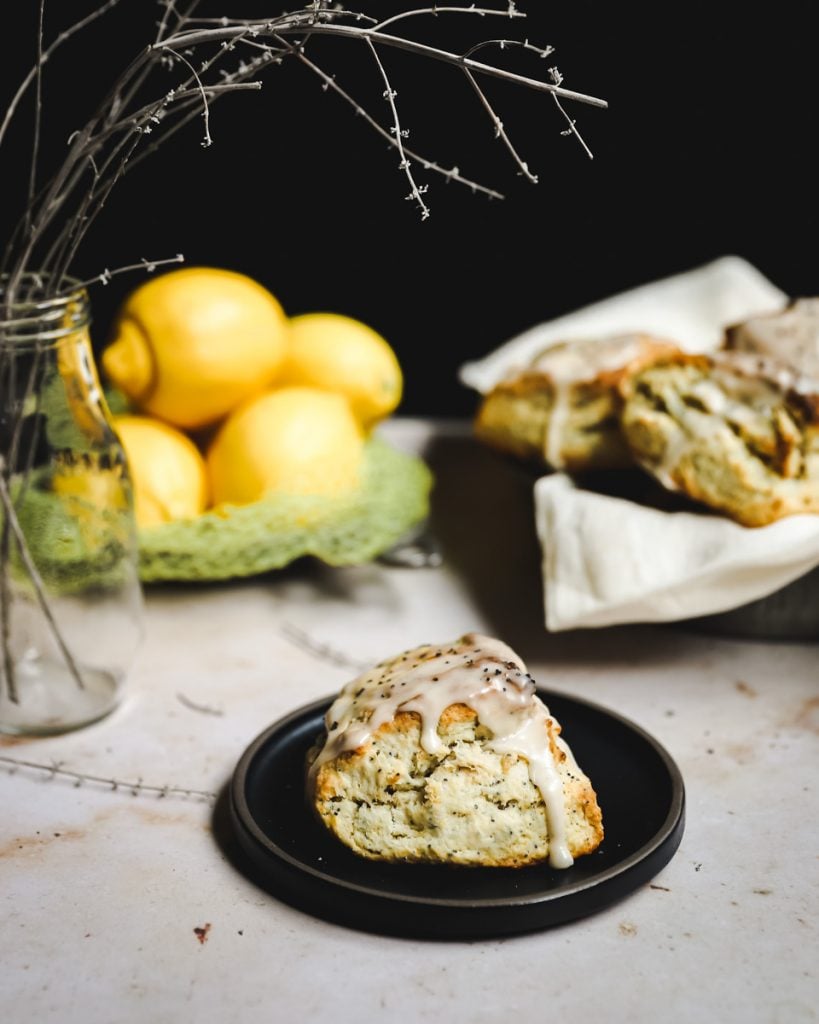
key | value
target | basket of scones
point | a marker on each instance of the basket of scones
(724, 419)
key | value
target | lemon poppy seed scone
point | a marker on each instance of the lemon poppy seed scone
(446, 754)
(563, 408)
(791, 336)
(736, 431)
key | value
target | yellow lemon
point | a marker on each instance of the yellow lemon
(167, 470)
(89, 485)
(94, 493)
(337, 353)
(291, 440)
(192, 344)
(82, 385)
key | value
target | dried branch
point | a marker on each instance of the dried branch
(9, 668)
(204, 709)
(196, 38)
(507, 44)
(138, 788)
(323, 652)
(509, 12)
(149, 266)
(121, 131)
(207, 141)
(192, 112)
(572, 129)
(500, 131)
(554, 74)
(38, 109)
(44, 56)
(169, 10)
(10, 517)
(451, 174)
(415, 193)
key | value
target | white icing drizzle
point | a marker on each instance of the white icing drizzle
(751, 376)
(792, 335)
(741, 387)
(568, 364)
(478, 671)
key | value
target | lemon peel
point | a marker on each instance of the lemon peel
(190, 345)
(292, 440)
(340, 354)
(167, 470)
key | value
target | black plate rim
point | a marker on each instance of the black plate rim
(243, 817)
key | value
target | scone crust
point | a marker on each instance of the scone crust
(515, 417)
(735, 432)
(469, 805)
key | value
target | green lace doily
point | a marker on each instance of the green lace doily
(269, 534)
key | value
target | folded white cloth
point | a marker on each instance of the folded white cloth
(692, 309)
(607, 560)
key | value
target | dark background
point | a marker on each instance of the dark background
(707, 148)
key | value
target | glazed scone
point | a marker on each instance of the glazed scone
(791, 336)
(446, 754)
(735, 431)
(563, 408)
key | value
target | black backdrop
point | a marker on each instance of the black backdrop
(707, 148)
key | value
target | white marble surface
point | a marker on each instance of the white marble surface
(101, 890)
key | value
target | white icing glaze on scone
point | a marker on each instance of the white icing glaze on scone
(792, 335)
(571, 363)
(736, 431)
(740, 387)
(477, 671)
(568, 364)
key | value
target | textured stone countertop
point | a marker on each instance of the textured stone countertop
(120, 907)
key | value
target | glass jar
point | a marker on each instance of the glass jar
(70, 599)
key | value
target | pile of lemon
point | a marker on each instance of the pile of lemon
(235, 401)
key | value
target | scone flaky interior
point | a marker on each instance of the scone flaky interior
(447, 754)
(562, 409)
(737, 432)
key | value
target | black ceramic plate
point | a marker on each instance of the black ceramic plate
(639, 788)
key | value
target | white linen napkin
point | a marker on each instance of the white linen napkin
(691, 309)
(608, 560)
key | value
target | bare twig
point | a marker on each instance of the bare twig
(415, 193)
(207, 141)
(9, 668)
(38, 112)
(192, 112)
(138, 788)
(195, 38)
(506, 12)
(121, 130)
(508, 44)
(323, 652)
(10, 516)
(500, 131)
(451, 174)
(139, 125)
(63, 37)
(204, 709)
(572, 129)
(149, 266)
(169, 11)
(543, 52)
